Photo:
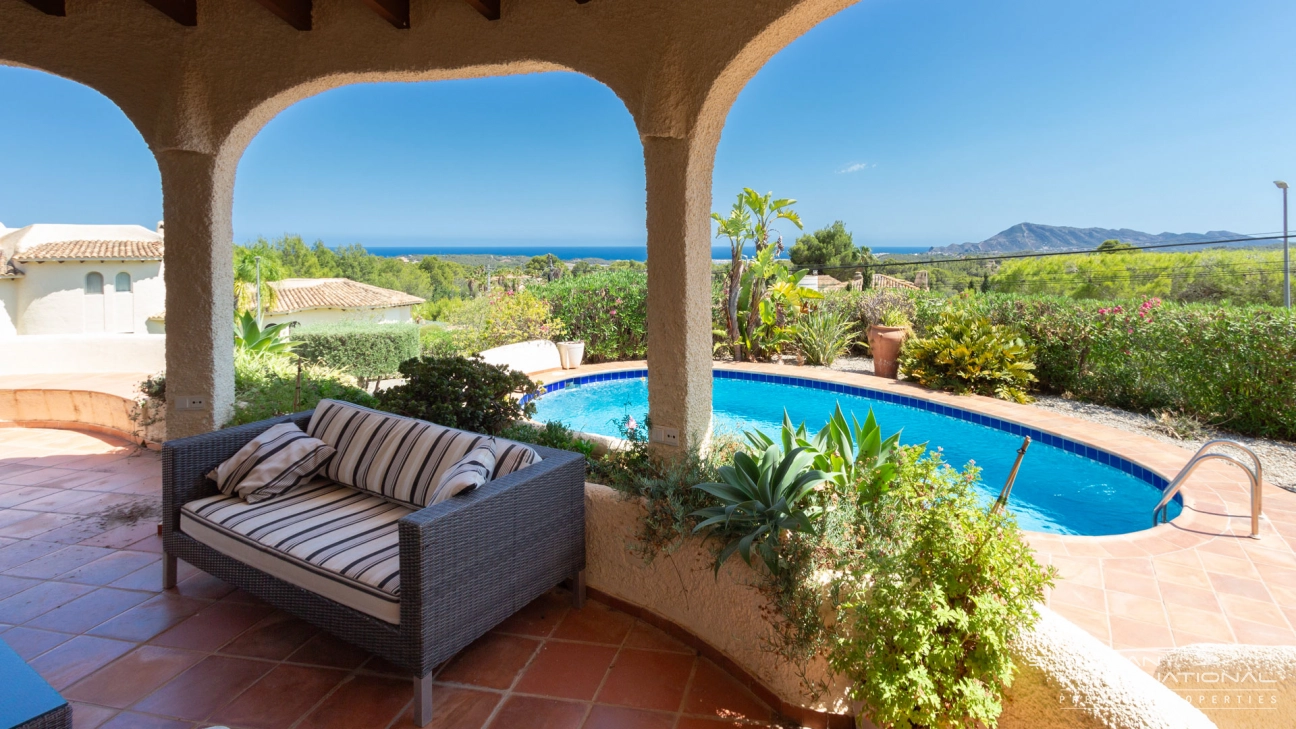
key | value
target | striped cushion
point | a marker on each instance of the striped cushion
(398, 457)
(473, 470)
(273, 462)
(332, 540)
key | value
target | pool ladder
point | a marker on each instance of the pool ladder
(1256, 475)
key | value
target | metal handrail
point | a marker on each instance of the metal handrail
(1256, 476)
(1012, 477)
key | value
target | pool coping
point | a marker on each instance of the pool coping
(1185, 569)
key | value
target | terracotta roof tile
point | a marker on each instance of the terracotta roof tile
(336, 293)
(102, 250)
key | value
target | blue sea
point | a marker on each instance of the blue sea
(566, 252)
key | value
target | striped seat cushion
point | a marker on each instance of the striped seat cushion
(333, 540)
(398, 457)
(271, 463)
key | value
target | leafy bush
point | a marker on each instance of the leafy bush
(966, 353)
(823, 336)
(511, 318)
(364, 350)
(439, 341)
(937, 591)
(608, 310)
(459, 392)
(551, 435)
(266, 386)
(1228, 366)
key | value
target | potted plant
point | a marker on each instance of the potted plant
(885, 340)
(571, 354)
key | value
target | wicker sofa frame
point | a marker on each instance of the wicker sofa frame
(466, 564)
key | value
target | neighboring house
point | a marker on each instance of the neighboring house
(328, 300)
(816, 281)
(79, 279)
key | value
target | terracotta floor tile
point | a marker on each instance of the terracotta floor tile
(1128, 634)
(567, 670)
(1089, 598)
(595, 623)
(1201, 622)
(204, 586)
(1227, 565)
(1251, 633)
(149, 618)
(645, 636)
(1079, 570)
(1179, 596)
(132, 677)
(362, 701)
(525, 712)
(1258, 611)
(619, 717)
(1240, 586)
(492, 661)
(454, 707)
(204, 688)
(13, 585)
(275, 637)
(131, 720)
(713, 692)
(1181, 575)
(89, 610)
(212, 627)
(329, 652)
(1135, 608)
(29, 642)
(113, 566)
(647, 680)
(538, 618)
(148, 578)
(23, 551)
(120, 537)
(1130, 584)
(280, 697)
(88, 716)
(38, 524)
(38, 600)
(78, 658)
(56, 563)
(696, 722)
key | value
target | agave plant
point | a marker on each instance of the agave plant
(251, 338)
(849, 453)
(759, 500)
(823, 336)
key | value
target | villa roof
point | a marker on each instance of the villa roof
(299, 294)
(93, 250)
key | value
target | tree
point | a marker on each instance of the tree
(245, 276)
(830, 246)
(1112, 245)
(549, 267)
(581, 268)
(628, 266)
(443, 276)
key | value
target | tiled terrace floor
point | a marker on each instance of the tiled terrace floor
(80, 600)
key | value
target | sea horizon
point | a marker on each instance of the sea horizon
(567, 252)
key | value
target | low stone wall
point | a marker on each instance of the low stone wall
(80, 409)
(82, 353)
(1067, 679)
(1238, 686)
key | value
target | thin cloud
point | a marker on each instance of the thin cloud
(856, 167)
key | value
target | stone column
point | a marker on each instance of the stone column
(679, 289)
(197, 205)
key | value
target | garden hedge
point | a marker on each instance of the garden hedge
(606, 310)
(364, 350)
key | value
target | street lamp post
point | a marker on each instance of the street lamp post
(258, 290)
(1286, 255)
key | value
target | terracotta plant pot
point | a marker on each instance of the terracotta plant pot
(885, 342)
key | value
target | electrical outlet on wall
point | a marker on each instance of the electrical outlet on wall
(191, 402)
(665, 436)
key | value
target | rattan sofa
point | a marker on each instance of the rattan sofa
(466, 563)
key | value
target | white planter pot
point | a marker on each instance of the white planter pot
(571, 354)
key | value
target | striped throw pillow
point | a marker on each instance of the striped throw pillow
(473, 470)
(400, 458)
(271, 463)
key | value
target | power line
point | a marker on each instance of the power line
(1045, 254)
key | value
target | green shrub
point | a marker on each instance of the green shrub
(823, 336)
(1228, 366)
(266, 386)
(459, 392)
(364, 350)
(439, 341)
(550, 435)
(520, 317)
(607, 310)
(965, 353)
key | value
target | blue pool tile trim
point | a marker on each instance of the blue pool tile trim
(1070, 446)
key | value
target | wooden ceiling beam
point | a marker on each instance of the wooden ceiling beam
(50, 7)
(296, 13)
(396, 12)
(490, 9)
(184, 12)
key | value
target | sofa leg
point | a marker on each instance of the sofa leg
(578, 589)
(423, 700)
(168, 571)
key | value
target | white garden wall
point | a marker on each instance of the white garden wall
(82, 353)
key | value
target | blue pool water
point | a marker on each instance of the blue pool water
(1056, 491)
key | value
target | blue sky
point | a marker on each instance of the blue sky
(917, 122)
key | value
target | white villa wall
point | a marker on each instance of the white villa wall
(392, 315)
(82, 353)
(51, 298)
(8, 306)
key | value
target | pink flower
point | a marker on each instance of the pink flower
(613, 312)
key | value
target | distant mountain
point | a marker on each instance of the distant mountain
(1034, 237)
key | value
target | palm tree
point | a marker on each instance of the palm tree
(737, 228)
(245, 280)
(765, 211)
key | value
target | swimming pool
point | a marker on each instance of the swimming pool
(1063, 487)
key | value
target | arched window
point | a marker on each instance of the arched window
(123, 283)
(94, 283)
